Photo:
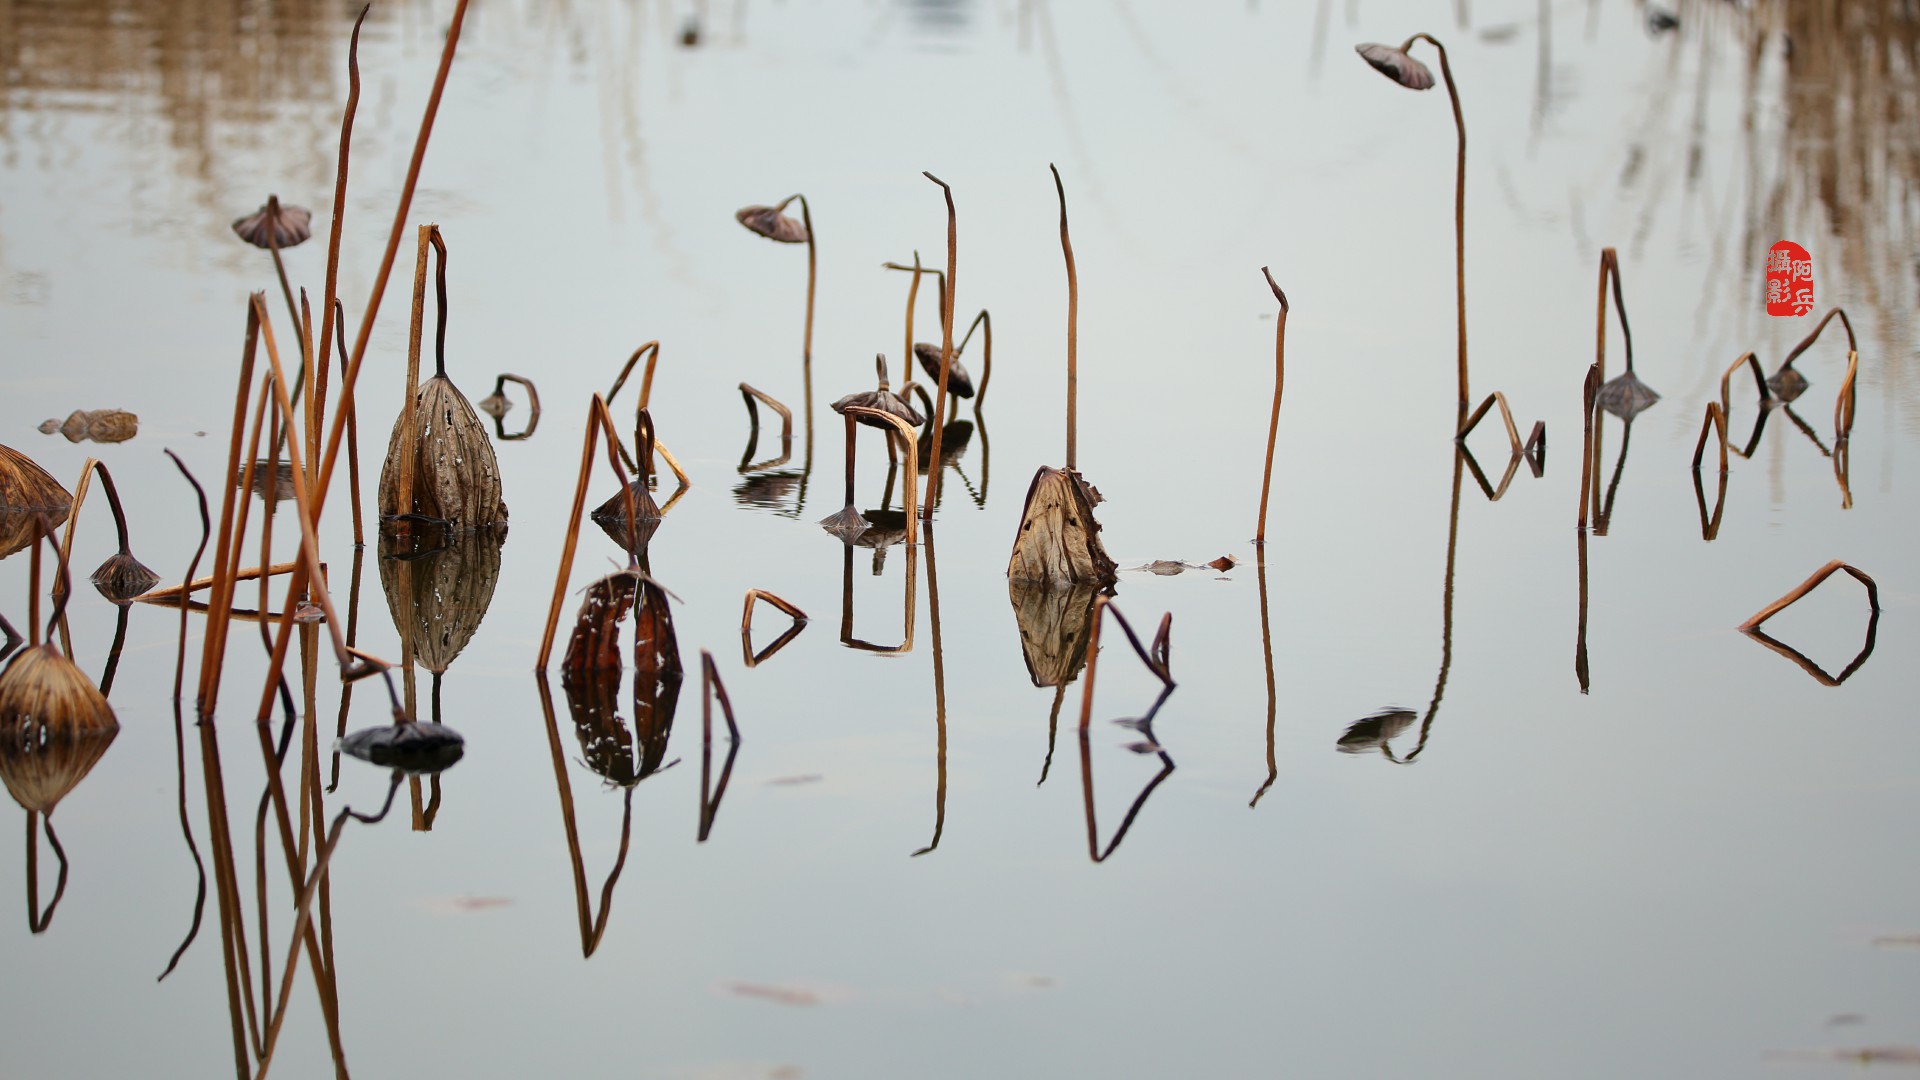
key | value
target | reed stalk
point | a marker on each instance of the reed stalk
(333, 331)
(599, 421)
(710, 688)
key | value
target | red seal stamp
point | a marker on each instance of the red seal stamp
(1789, 279)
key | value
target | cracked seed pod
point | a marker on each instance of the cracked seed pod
(769, 222)
(54, 726)
(1059, 541)
(437, 598)
(456, 477)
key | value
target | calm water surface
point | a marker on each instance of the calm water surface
(1700, 867)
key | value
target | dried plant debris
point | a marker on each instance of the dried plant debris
(1170, 567)
(96, 425)
(410, 748)
(611, 516)
(959, 383)
(439, 593)
(54, 726)
(122, 578)
(25, 486)
(1395, 64)
(275, 225)
(1059, 542)
(1054, 624)
(622, 756)
(271, 479)
(456, 476)
(769, 222)
(1626, 396)
(1374, 732)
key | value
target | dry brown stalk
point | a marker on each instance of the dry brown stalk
(1073, 321)
(1279, 381)
(1714, 420)
(172, 593)
(1788, 383)
(135, 574)
(500, 396)
(650, 350)
(846, 603)
(408, 435)
(1590, 391)
(1843, 403)
(1793, 595)
(752, 396)
(333, 331)
(751, 658)
(907, 436)
(946, 353)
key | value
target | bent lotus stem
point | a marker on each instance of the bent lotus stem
(650, 350)
(286, 290)
(751, 658)
(1853, 344)
(986, 356)
(599, 421)
(1459, 207)
(1793, 595)
(1156, 658)
(1610, 268)
(87, 470)
(1279, 380)
(1726, 382)
(906, 434)
(1842, 412)
(946, 354)
(1714, 420)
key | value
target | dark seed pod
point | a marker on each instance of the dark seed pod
(959, 383)
(421, 749)
(54, 725)
(123, 577)
(1626, 397)
(456, 477)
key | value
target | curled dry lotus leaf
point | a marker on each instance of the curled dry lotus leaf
(99, 425)
(772, 224)
(26, 492)
(456, 477)
(1053, 629)
(264, 228)
(1059, 542)
(1374, 732)
(959, 383)
(1396, 65)
(54, 725)
(611, 516)
(438, 597)
(123, 577)
(410, 748)
(1626, 397)
(886, 401)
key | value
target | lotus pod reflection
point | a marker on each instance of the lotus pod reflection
(438, 596)
(1053, 623)
(122, 578)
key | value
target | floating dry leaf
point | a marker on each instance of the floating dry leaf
(99, 425)
(1224, 563)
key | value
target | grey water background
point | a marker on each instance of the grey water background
(1688, 871)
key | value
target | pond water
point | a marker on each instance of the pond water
(1681, 855)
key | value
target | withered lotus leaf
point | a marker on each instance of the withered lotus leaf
(594, 645)
(1626, 397)
(54, 725)
(1374, 732)
(959, 383)
(264, 228)
(26, 486)
(886, 401)
(772, 224)
(438, 597)
(123, 577)
(99, 425)
(42, 690)
(410, 748)
(611, 516)
(1396, 65)
(1053, 629)
(456, 477)
(1059, 542)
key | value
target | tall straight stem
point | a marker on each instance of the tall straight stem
(1073, 319)
(946, 354)
(1459, 214)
